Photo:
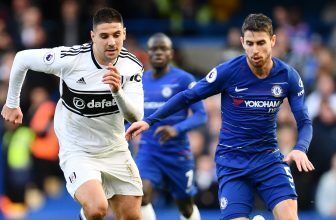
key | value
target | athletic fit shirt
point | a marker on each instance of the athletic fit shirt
(249, 105)
(87, 118)
(157, 92)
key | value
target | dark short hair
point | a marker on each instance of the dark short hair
(257, 23)
(162, 36)
(106, 15)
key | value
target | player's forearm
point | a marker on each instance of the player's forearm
(130, 108)
(178, 102)
(305, 130)
(17, 76)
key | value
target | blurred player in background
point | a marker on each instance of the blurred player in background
(100, 86)
(164, 158)
(252, 88)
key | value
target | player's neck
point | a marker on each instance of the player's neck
(158, 72)
(105, 63)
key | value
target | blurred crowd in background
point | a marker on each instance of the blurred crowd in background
(205, 33)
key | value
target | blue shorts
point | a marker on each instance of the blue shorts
(175, 172)
(266, 174)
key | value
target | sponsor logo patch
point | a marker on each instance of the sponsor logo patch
(78, 103)
(153, 105)
(237, 101)
(262, 104)
(89, 103)
(49, 57)
(136, 78)
(211, 77)
(301, 92)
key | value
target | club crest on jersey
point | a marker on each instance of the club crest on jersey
(166, 92)
(223, 203)
(276, 91)
(72, 177)
(49, 57)
(237, 101)
(211, 77)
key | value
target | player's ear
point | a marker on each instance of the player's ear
(92, 34)
(273, 40)
(242, 41)
(124, 30)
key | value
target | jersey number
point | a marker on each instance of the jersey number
(190, 175)
(290, 177)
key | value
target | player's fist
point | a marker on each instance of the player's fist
(112, 78)
(13, 115)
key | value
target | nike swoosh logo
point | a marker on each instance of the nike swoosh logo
(240, 90)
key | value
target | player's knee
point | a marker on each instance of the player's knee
(285, 211)
(289, 215)
(132, 215)
(145, 199)
(147, 190)
(186, 211)
(95, 211)
(186, 208)
(192, 213)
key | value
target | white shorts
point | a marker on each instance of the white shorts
(116, 171)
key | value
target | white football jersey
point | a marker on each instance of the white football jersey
(87, 118)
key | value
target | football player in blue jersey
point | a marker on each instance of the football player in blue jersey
(164, 158)
(252, 88)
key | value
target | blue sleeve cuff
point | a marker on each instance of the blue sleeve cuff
(148, 121)
(300, 148)
(178, 129)
(305, 130)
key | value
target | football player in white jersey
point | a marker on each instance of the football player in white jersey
(100, 87)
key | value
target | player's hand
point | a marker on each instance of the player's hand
(135, 129)
(301, 160)
(13, 115)
(166, 132)
(113, 78)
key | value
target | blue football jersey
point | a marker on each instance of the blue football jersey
(156, 93)
(249, 106)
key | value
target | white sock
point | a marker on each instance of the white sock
(147, 212)
(81, 213)
(194, 216)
